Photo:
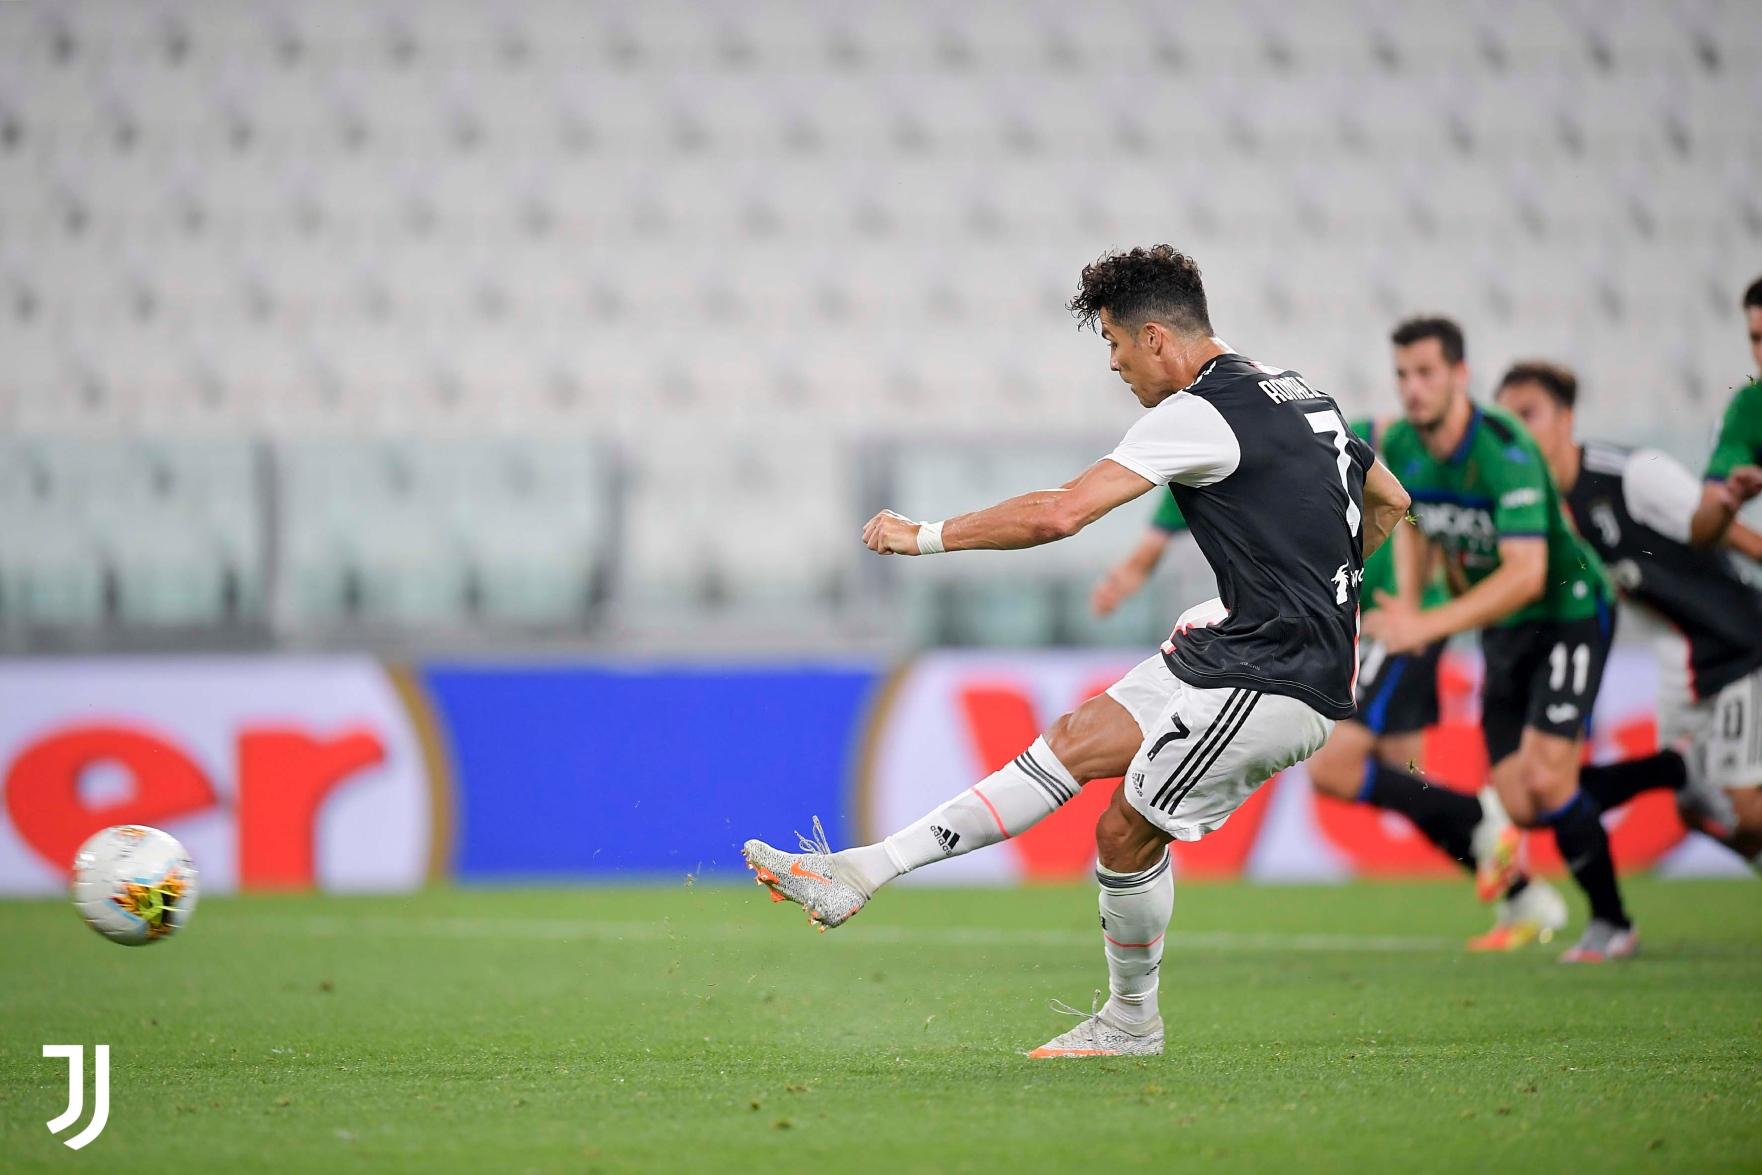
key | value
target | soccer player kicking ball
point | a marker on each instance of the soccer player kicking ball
(1284, 501)
(1367, 757)
(1644, 514)
(1533, 587)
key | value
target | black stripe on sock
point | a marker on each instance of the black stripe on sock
(1133, 880)
(1051, 796)
(1031, 764)
(1046, 793)
(1197, 749)
(1199, 772)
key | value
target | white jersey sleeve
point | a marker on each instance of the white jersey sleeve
(1660, 493)
(1184, 439)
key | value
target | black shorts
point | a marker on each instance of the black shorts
(1542, 675)
(1397, 694)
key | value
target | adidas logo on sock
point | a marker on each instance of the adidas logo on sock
(945, 838)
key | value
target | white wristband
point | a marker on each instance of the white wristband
(930, 538)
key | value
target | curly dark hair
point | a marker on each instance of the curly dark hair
(1445, 330)
(1753, 295)
(1140, 285)
(1554, 378)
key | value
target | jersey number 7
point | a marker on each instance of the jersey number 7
(1329, 422)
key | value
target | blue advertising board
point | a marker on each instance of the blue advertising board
(649, 769)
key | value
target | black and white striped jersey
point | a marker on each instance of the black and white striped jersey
(1271, 481)
(1635, 506)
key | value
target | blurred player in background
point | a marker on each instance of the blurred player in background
(1740, 433)
(1535, 590)
(1127, 577)
(1369, 757)
(1640, 510)
(1283, 499)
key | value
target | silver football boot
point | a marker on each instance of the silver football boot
(808, 878)
(1099, 1036)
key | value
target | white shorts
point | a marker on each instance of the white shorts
(1205, 751)
(1720, 737)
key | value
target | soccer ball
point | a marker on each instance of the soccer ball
(134, 884)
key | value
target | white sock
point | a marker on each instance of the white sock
(1135, 912)
(1005, 803)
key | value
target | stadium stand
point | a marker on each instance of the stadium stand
(374, 316)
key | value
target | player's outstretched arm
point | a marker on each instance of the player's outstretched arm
(1129, 575)
(1720, 503)
(1414, 554)
(1385, 505)
(1521, 577)
(1124, 578)
(1744, 541)
(1028, 520)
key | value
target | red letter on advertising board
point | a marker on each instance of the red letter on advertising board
(284, 777)
(1001, 722)
(43, 794)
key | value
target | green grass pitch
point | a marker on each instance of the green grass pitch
(700, 1027)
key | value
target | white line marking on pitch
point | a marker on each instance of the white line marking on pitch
(560, 929)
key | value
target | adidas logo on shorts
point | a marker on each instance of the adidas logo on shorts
(945, 838)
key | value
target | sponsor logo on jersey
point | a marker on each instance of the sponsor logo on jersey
(1522, 496)
(1346, 580)
(1464, 524)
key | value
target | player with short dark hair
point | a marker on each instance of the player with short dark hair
(1452, 346)
(1284, 502)
(1718, 502)
(1368, 757)
(1738, 451)
(1533, 588)
(1638, 508)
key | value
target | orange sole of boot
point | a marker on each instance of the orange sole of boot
(1506, 938)
(1042, 1054)
(1491, 883)
(763, 876)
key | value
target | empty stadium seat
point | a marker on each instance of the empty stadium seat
(156, 534)
(547, 230)
(437, 533)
